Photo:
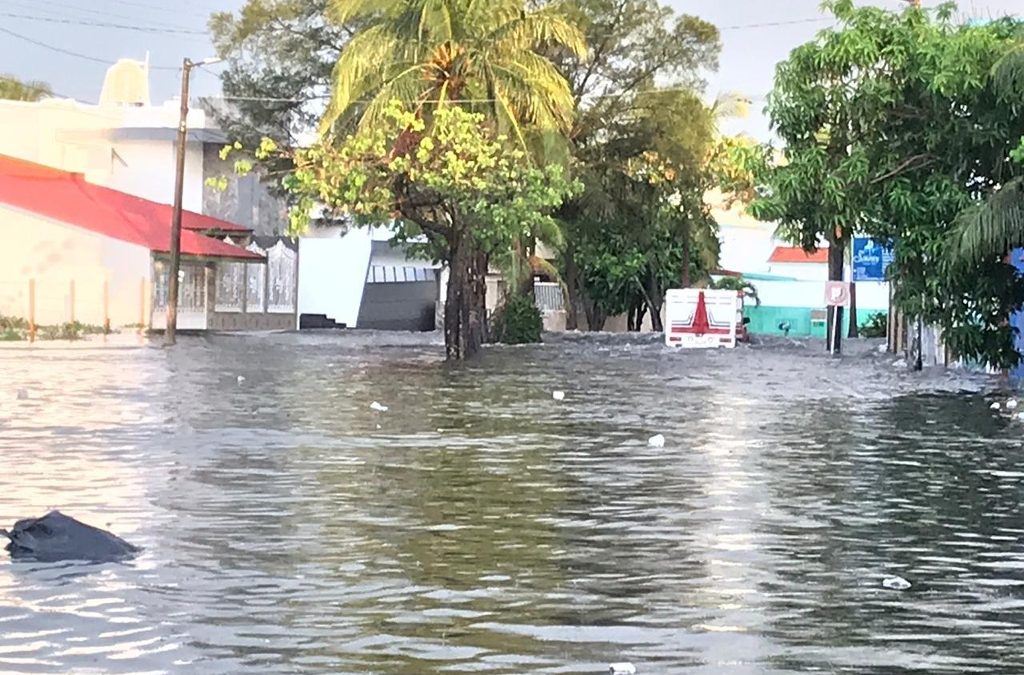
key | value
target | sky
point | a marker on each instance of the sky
(70, 43)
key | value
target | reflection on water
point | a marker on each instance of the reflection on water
(484, 527)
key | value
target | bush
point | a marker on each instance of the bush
(518, 321)
(877, 326)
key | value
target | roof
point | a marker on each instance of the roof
(67, 197)
(793, 254)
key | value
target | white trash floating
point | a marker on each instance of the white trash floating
(995, 406)
(378, 407)
(895, 583)
(558, 395)
(656, 441)
(622, 669)
(1011, 404)
(241, 379)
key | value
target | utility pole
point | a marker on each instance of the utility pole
(170, 333)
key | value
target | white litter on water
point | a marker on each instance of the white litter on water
(1011, 404)
(558, 395)
(895, 583)
(378, 426)
(995, 406)
(657, 441)
(622, 669)
(241, 379)
(899, 363)
(378, 407)
(23, 394)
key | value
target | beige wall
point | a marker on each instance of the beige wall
(55, 254)
(76, 137)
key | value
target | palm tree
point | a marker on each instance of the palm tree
(481, 54)
(996, 225)
(13, 89)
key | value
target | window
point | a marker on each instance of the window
(230, 287)
(191, 287)
(281, 264)
(255, 283)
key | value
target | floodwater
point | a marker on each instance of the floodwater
(479, 526)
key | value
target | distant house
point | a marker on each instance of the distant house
(126, 143)
(356, 278)
(793, 261)
(75, 251)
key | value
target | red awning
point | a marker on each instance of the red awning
(793, 254)
(67, 197)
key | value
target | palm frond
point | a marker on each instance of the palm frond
(344, 11)
(1008, 75)
(357, 69)
(546, 26)
(991, 227)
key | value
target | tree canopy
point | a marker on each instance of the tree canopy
(11, 88)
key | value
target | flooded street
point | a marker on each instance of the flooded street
(484, 527)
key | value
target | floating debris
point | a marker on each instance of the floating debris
(656, 441)
(1011, 404)
(378, 426)
(23, 394)
(625, 668)
(241, 379)
(895, 583)
(558, 395)
(378, 407)
(995, 406)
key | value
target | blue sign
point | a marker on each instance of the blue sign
(1017, 320)
(870, 260)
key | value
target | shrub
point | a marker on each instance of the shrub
(876, 326)
(518, 321)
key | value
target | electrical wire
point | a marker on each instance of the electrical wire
(104, 24)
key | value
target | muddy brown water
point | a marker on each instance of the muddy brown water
(484, 527)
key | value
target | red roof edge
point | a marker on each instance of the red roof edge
(794, 254)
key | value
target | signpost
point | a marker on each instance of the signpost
(870, 260)
(837, 294)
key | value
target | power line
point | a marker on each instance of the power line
(104, 24)
(68, 52)
(773, 24)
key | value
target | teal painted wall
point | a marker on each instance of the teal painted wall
(765, 320)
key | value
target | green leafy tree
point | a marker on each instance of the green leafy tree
(279, 56)
(468, 189)
(482, 55)
(633, 44)
(11, 88)
(892, 127)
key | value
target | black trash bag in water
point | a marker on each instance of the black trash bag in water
(56, 537)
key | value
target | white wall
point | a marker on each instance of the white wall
(54, 253)
(745, 248)
(870, 294)
(332, 273)
(800, 271)
(146, 169)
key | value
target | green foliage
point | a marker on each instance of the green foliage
(13, 329)
(893, 126)
(518, 321)
(456, 177)
(11, 88)
(877, 326)
(426, 53)
(737, 284)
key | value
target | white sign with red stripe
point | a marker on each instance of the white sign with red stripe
(702, 318)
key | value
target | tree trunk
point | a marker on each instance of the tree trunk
(685, 277)
(572, 289)
(854, 328)
(465, 301)
(654, 298)
(834, 334)
(641, 312)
